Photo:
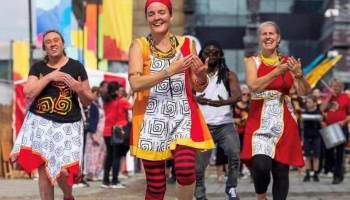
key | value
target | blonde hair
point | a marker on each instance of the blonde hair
(244, 87)
(270, 23)
(278, 31)
(338, 81)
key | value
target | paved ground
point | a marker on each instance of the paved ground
(27, 190)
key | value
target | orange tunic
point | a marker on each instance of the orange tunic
(167, 114)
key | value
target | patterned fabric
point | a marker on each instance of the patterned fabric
(167, 115)
(95, 154)
(271, 127)
(57, 145)
(163, 116)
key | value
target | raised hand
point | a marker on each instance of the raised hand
(201, 100)
(294, 65)
(198, 67)
(75, 85)
(280, 68)
(180, 65)
(56, 75)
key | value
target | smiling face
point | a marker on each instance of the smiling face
(158, 18)
(269, 37)
(53, 44)
(213, 53)
(337, 87)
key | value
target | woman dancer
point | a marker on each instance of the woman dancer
(272, 140)
(167, 123)
(51, 137)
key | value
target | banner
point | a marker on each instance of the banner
(321, 70)
(313, 64)
(53, 14)
(90, 32)
(20, 59)
(117, 29)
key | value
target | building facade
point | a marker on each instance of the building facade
(304, 27)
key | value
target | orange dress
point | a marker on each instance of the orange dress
(167, 114)
(271, 127)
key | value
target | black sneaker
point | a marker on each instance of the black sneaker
(306, 178)
(315, 178)
(337, 180)
(171, 180)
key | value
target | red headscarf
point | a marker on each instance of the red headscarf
(165, 2)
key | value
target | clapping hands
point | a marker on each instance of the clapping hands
(190, 61)
(57, 75)
(294, 65)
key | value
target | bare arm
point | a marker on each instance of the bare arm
(85, 95)
(302, 86)
(199, 79)
(82, 88)
(325, 103)
(235, 90)
(34, 85)
(138, 81)
(258, 84)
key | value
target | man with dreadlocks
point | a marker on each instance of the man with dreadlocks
(216, 103)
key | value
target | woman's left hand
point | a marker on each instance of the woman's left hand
(294, 65)
(75, 85)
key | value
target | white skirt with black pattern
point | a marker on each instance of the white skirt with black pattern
(57, 145)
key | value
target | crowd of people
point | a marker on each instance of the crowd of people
(183, 106)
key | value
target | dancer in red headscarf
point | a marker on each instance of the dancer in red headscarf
(167, 123)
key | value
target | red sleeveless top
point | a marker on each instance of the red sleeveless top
(271, 127)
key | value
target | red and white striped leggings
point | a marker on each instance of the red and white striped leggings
(185, 161)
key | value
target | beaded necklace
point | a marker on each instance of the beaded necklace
(269, 61)
(159, 53)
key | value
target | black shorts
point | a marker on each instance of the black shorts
(312, 147)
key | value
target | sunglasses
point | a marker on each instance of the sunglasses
(211, 52)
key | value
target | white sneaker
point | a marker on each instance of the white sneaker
(232, 195)
(105, 186)
(117, 186)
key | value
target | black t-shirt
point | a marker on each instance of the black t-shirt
(312, 127)
(57, 102)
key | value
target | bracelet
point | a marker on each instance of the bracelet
(202, 83)
(299, 76)
(135, 74)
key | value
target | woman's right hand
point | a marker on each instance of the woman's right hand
(280, 68)
(56, 75)
(181, 65)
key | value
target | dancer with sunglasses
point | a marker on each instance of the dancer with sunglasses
(216, 103)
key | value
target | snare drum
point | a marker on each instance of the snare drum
(332, 135)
